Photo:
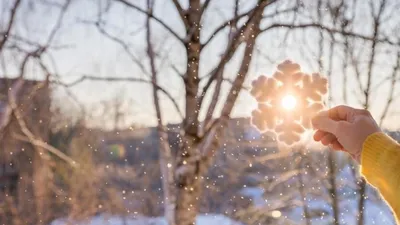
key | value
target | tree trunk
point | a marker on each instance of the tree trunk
(189, 186)
(168, 183)
(361, 202)
(192, 80)
(196, 151)
(332, 190)
(302, 191)
(165, 160)
(41, 189)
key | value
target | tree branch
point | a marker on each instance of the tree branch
(239, 36)
(391, 96)
(214, 130)
(205, 6)
(182, 12)
(167, 164)
(126, 79)
(330, 30)
(233, 44)
(220, 76)
(6, 34)
(58, 22)
(263, 4)
(122, 44)
(30, 137)
(224, 25)
(131, 5)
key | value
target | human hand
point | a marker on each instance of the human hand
(344, 128)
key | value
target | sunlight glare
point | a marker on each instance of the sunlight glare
(289, 102)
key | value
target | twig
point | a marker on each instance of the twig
(122, 44)
(204, 7)
(44, 145)
(126, 79)
(330, 30)
(182, 12)
(30, 137)
(131, 5)
(224, 25)
(393, 83)
(6, 34)
(166, 158)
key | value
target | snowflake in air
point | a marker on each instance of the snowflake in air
(287, 101)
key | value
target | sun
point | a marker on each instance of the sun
(289, 102)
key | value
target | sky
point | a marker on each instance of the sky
(86, 51)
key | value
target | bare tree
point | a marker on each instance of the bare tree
(183, 175)
(166, 162)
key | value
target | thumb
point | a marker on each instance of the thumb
(323, 122)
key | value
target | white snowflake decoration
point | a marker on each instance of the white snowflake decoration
(305, 90)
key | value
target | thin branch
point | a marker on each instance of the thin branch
(235, 41)
(226, 24)
(357, 71)
(295, 17)
(6, 34)
(393, 83)
(211, 140)
(57, 26)
(56, 75)
(124, 79)
(123, 45)
(44, 145)
(219, 77)
(131, 5)
(182, 12)
(166, 160)
(276, 13)
(372, 58)
(242, 73)
(30, 137)
(214, 99)
(239, 36)
(205, 6)
(263, 4)
(330, 30)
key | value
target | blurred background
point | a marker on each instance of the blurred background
(138, 111)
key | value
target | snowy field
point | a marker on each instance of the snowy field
(210, 219)
(377, 212)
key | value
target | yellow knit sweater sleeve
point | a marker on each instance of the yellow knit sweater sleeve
(380, 165)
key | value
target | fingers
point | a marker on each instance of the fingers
(324, 137)
(323, 122)
(337, 146)
(340, 112)
(319, 134)
(345, 113)
(328, 139)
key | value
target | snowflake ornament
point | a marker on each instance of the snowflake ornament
(287, 101)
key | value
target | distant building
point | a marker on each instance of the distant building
(142, 143)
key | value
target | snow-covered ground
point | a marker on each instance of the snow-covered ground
(376, 211)
(209, 219)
